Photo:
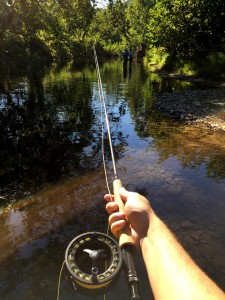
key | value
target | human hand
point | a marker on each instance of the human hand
(137, 212)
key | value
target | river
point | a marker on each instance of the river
(53, 183)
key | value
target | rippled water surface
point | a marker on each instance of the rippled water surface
(53, 183)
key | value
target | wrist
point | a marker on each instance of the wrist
(154, 223)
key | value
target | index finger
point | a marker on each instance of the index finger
(109, 197)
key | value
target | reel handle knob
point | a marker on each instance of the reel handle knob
(125, 234)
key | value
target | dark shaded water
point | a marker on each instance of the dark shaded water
(52, 182)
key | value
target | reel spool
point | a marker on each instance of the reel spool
(93, 260)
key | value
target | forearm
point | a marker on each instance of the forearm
(172, 273)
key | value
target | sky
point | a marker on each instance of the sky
(102, 3)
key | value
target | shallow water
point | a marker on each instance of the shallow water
(59, 181)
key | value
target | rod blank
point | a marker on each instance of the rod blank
(126, 242)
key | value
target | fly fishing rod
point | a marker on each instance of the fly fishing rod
(125, 239)
(94, 259)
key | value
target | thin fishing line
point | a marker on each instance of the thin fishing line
(59, 281)
(103, 151)
(102, 103)
(101, 94)
(103, 107)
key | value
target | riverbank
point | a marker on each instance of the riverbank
(200, 107)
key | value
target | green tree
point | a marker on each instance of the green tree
(109, 26)
(137, 15)
(187, 27)
(35, 28)
(67, 24)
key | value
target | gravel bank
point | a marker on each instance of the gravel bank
(203, 108)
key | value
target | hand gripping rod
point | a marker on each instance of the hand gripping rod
(125, 240)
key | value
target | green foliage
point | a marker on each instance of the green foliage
(188, 27)
(156, 58)
(66, 29)
(213, 66)
(44, 28)
(137, 15)
(109, 27)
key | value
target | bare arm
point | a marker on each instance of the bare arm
(172, 273)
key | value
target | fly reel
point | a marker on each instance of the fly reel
(93, 260)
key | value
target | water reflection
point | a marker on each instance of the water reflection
(36, 232)
(44, 129)
(51, 143)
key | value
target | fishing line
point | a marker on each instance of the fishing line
(103, 158)
(103, 145)
(126, 242)
(101, 95)
(108, 242)
(104, 166)
(102, 101)
(94, 259)
(59, 280)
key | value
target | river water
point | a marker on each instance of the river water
(53, 183)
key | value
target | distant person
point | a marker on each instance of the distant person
(173, 275)
(125, 60)
(131, 55)
(125, 56)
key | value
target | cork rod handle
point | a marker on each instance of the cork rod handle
(125, 234)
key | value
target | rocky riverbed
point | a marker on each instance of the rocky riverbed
(203, 108)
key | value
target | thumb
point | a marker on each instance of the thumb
(123, 194)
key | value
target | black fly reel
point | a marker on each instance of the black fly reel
(93, 260)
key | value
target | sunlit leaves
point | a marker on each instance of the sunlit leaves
(109, 26)
(183, 27)
(137, 16)
(187, 27)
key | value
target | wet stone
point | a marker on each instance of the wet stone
(198, 107)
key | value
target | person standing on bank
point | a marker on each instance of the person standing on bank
(173, 275)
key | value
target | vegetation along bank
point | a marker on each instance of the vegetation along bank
(178, 35)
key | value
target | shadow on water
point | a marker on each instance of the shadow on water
(52, 182)
(45, 126)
